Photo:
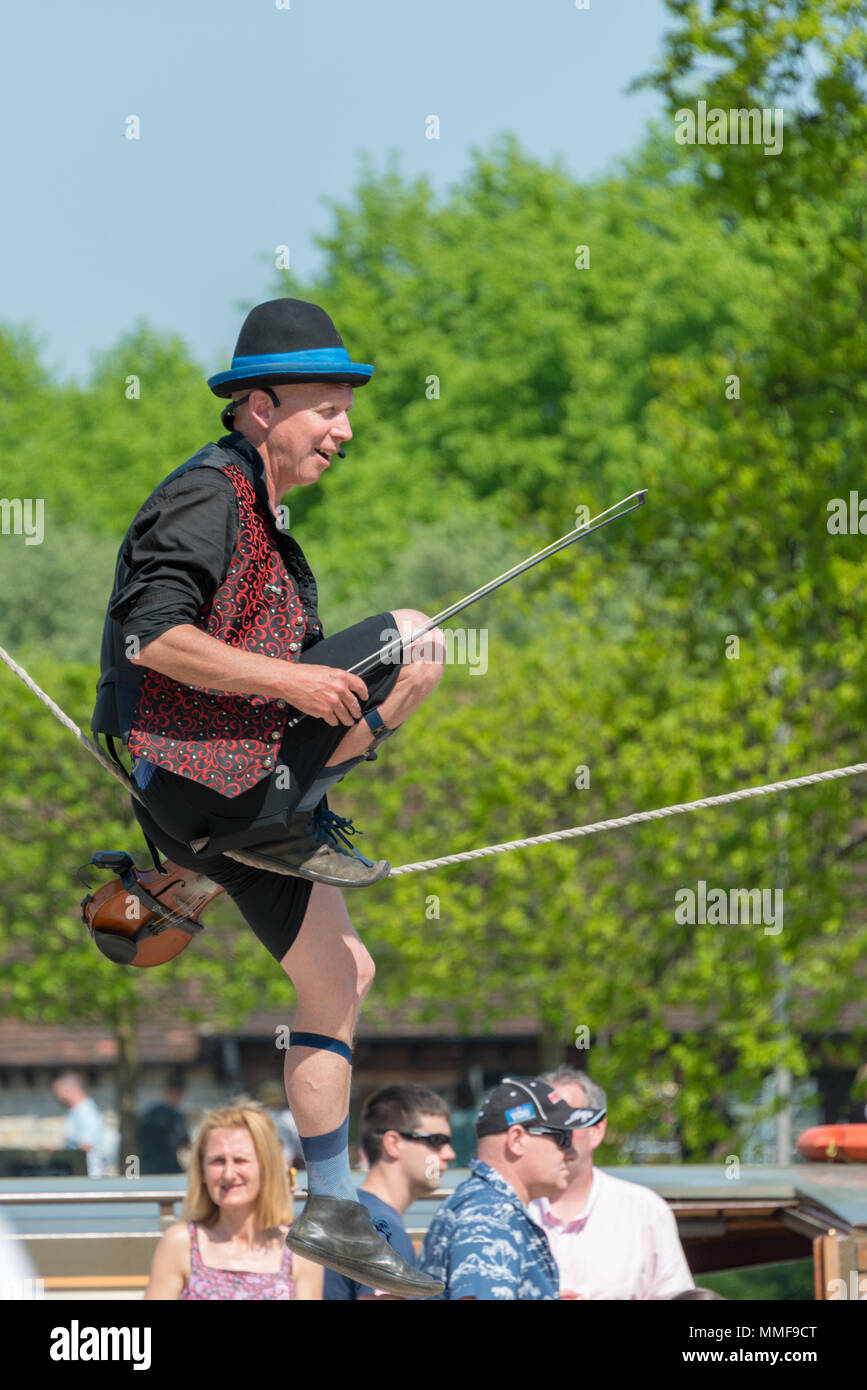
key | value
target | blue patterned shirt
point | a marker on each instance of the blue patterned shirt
(483, 1243)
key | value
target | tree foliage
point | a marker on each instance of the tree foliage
(714, 351)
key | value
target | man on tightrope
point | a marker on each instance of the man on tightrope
(212, 644)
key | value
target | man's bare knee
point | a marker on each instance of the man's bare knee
(422, 673)
(365, 976)
(328, 962)
(424, 659)
(340, 982)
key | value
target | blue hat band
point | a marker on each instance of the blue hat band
(311, 362)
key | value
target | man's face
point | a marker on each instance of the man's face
(424, 1165)
(61, 1094)
(306, 429)
(545, 1168)
(584, 1141)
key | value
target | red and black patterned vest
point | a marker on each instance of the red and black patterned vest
(228, 741)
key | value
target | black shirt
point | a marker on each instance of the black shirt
(180, 544)
(162, 1130)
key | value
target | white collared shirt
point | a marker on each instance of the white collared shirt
(624, 1245)
(83, 1124)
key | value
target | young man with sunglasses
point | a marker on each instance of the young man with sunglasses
(483, 1243)
(611, 1239)
(406, 1139)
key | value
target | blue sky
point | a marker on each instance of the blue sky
(283, 104)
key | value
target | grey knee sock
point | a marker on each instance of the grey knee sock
(326, 779)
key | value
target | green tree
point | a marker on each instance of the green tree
(804, 58)
(713, 351)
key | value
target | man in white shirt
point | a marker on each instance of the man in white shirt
(83, 1127)
(611, 1239)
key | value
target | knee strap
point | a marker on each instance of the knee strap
(320, 1040)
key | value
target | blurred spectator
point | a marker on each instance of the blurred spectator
(83, 1127)
(406, 1138)
(231, 1244)
(273, 1097)
(162, 1130)
(482, 1243)
(612, 1239)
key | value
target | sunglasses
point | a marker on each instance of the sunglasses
(562, 1136)
(434, 1141)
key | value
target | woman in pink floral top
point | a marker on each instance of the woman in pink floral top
(237, 1211)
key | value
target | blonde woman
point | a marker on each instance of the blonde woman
(231, 1243)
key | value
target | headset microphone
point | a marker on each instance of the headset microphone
(341, 454)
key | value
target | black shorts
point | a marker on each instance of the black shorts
(177, 811)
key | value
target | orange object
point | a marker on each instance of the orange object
(834, 1144)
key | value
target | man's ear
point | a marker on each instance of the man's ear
(516, 1140)
(260, 406)
(391, 1142)
(599, 1132)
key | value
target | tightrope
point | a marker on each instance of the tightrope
(465, 856)
(70, 724)
(635, 819)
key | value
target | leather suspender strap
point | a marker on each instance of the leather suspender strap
(154, 852)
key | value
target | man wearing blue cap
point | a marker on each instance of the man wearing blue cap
(483, 1243)
(212, 645)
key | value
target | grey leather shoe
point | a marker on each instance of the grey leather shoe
(340, 1234)
(318, 847)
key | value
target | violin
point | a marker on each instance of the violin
(146, 917)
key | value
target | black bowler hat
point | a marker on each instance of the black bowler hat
(288, 340)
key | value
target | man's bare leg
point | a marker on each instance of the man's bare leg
(332, 971)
